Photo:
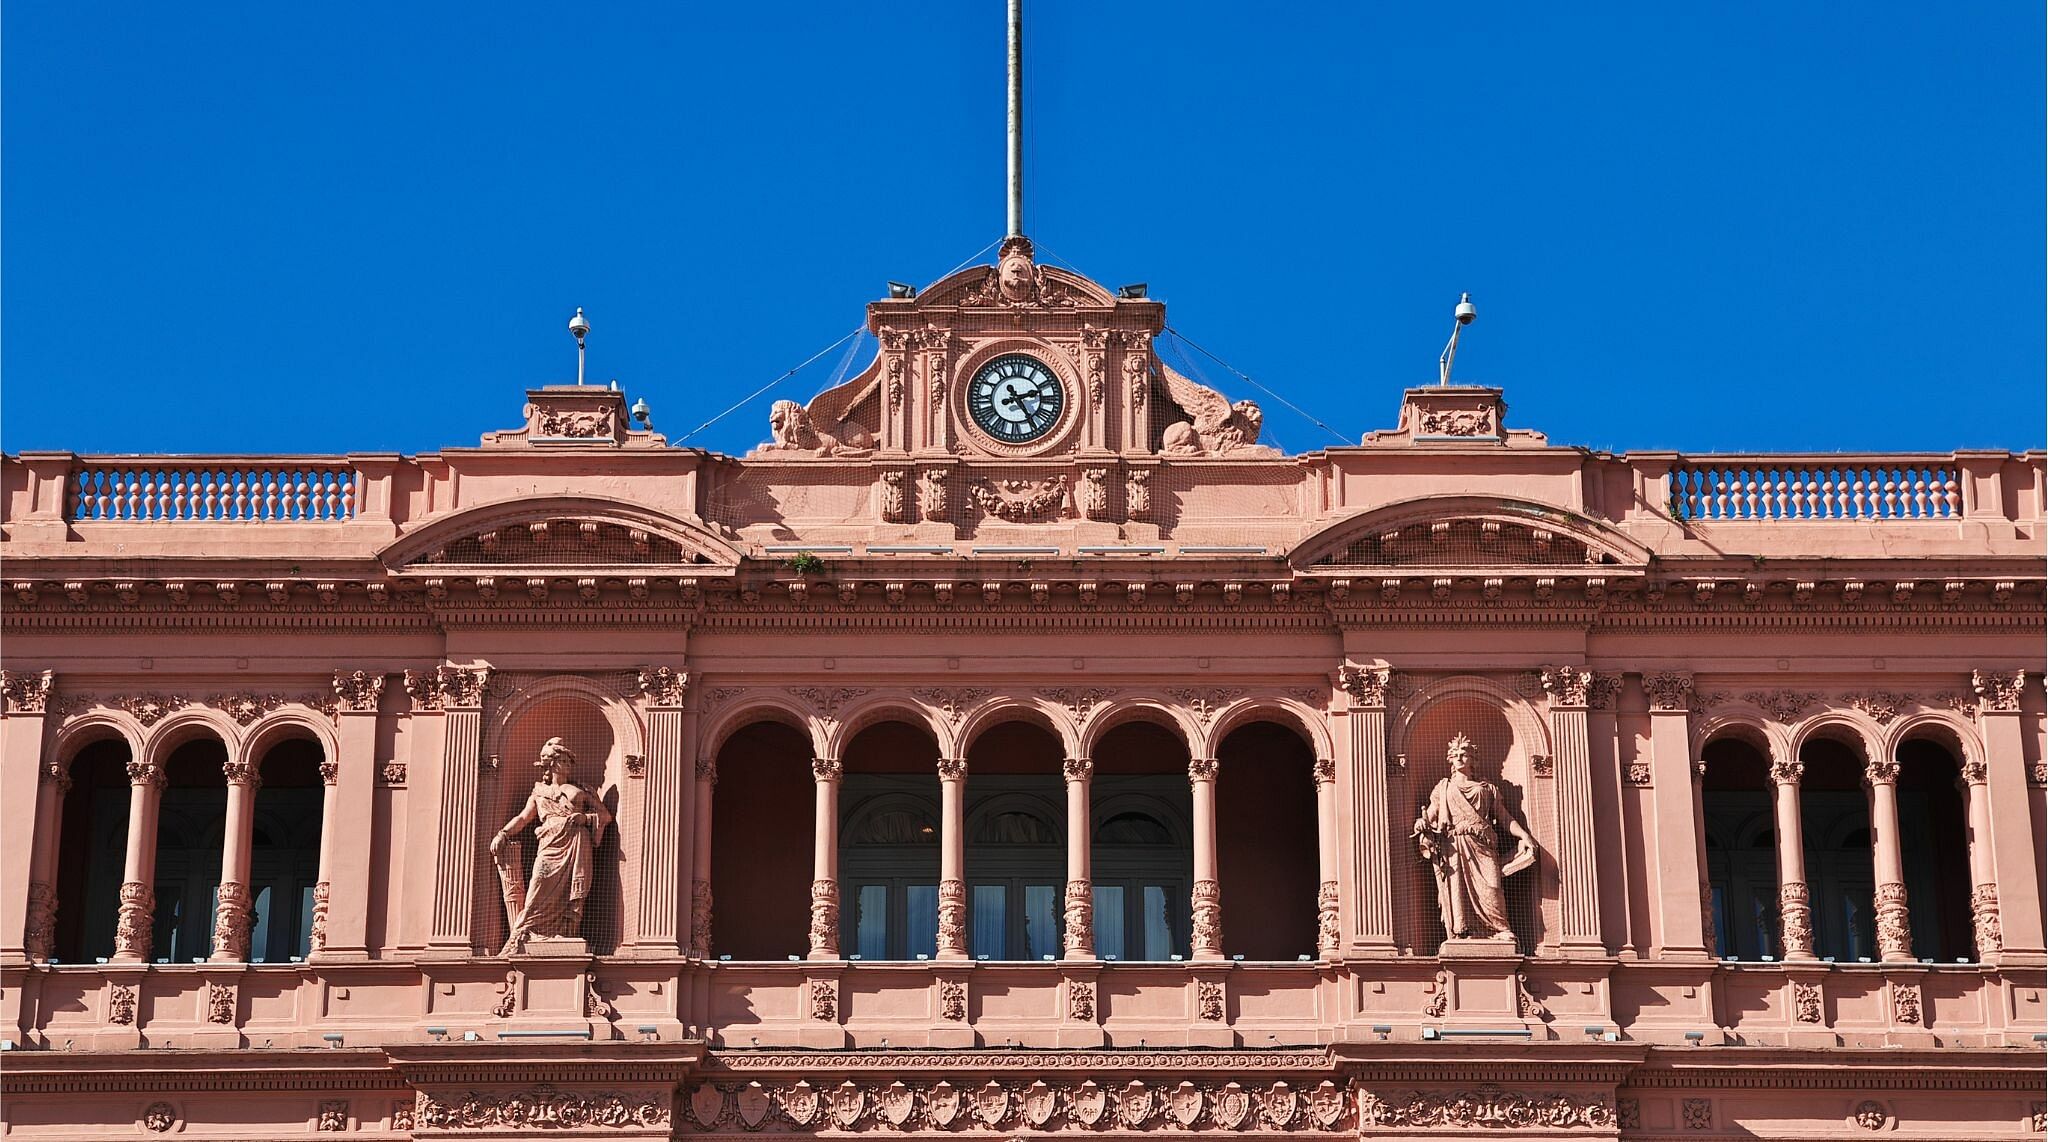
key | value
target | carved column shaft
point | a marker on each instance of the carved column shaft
(1079, 919)
(1678, 875)
(952, 859)
(455, 863)
(667, 786)
(1894, 925)
(1984, 919)
(825, 860)
(232, 918)
(1577, 859)
(1207, 902)
(133, 930)
(1329, 923)
(1795, 911)
(701, 908)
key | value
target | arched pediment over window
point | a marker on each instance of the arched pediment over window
(1468, 531)
(560, 531)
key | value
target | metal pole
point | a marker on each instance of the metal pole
(1016, 117)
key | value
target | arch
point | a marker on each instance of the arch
(764, 706)
(1282, 711)
(1614, 548)
(286, 723)
(1950, 728)
(1015, 708)
(1743, 723)
(92, 834)
(891, 706)
(628, 733)
(82, 730)
(190, 724)
(1141, 708)
(1531, 730)
(465, 523)
(1845, 726)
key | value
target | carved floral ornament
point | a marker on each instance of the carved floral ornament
(25, 692)
(1047, 1104)
(663, 685)
(544, 1107)
(448, 687)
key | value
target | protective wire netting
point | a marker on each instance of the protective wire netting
(1497, 757)
(585, 867)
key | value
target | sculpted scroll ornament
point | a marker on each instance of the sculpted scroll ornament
(1081, 1001)
(1669, 690)
(1486, 1107)
(931, 494)
(159, 1117)
(1366, 685)
(1567, 685)
(1458, 834)
(568, 823)
(1906, 1002)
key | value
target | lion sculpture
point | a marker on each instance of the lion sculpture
(1219, 428)
(791, 424)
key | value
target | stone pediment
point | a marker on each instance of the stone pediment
(560, 532)
(1468, 532)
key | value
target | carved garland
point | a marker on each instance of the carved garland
(898, 1106)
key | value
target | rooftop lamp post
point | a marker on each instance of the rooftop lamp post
(578, 327)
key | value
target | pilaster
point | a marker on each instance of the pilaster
(664, 863)
(1365, 777)
(2015, 861)
(1578, 872)
(1675, 835)
(459, 693)
(25, 887)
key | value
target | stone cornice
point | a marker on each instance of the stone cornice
(1024, 1060)
(1839, 1068)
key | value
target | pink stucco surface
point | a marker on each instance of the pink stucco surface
(1636, 642)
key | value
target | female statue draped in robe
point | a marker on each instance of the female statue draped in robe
(1459, 835)
(568, 824)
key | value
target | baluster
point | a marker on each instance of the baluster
(109, 492)
(1951, 497)
(1722, 480)
(1802, 493)
(1782, 506)
(241, 482)
(1754, 493)
(351, 487)
(1891, 493)
(1685, 497)
(308, 489)
(135, 500)
(164, 481)
(209, 490)
(1859, 493)
(1918, 493)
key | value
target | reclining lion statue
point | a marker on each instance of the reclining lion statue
(793, 431)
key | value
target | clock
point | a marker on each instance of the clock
(1016, 399)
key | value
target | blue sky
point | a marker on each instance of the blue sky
(300, 228)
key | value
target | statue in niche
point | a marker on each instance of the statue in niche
(1458, 833)
(568, 823)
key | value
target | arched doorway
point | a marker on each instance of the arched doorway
(761, 839)
(1834, 823)
(1142, 852)
(93, 846)
(1932, 818)
(284, 853)
(1742, 848)
(190, 827)
(1266, 838)
(889, 844)
(1016, 843)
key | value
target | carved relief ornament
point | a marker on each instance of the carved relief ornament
(1486, 1107)
(663, 685)
(1366, 685)
(357, 691)
(1998, 690)
(26, 693)
(543, 1107)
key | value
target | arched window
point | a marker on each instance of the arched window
(1142, 856)
(1742, 855)
(889, 844)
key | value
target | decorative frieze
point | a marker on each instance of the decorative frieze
(543, 1107)
(954, 701)
(1038, 1104)
(1484, 1108)
(1881, 706)
(1782, 705)
(245, 707)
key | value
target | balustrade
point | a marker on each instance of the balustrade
(1767, 488)
(302, 490)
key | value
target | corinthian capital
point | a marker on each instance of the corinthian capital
(1998, 690)
(1567, 685)
(1669, 690)
(27, 693)
(664, 686)
(1367, 685)
(357, 691)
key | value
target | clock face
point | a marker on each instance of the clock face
(1015, 399)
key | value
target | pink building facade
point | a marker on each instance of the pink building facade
(1014, 746)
